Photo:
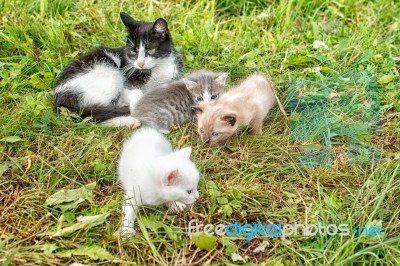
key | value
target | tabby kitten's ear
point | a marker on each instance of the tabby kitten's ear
(197, 109)
(190, 85)
(160, 27)
(128, 21)
(221, 79)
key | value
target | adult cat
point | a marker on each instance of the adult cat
(107, 82)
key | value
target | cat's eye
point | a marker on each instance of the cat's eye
(214, 134)
(199, 98)
(131, 52)
(214, 97)
(189, 191)
(151, 52)
(201, 131)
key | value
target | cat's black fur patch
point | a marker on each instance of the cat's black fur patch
(103, 113)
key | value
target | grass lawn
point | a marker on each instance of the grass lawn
(342, 169)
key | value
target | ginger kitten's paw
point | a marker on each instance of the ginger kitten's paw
(176, 207)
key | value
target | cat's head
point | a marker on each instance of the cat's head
(179, 177)
(147, 42)
(215, 123)
(205, 86)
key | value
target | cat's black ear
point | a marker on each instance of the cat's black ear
(221, 79)
(160, 26)
(197, 109)
(128, 21)
(230, 119)
(190, 85)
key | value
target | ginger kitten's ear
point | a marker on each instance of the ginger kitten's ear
(221, 79)
(197, 109)
(128, 21)
(185, 152)
(230, 119)
(170, 177)
(190, 85)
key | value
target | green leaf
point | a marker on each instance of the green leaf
(230, 247)
(11, 139)
(227, 210)
(48, 248)
(93, 252)
(235, 204)
(236, 257)
(385, 79)
(203, 241)
(173, 234)
(151, 223)
(237, 194)
(84, 222)
(296, 60)
(3, 168)
(67, 199)
(222, 200)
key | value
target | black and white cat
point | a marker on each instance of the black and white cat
(107, 82)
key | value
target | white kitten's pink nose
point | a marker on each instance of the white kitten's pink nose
(140, 64)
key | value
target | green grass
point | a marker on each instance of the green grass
(246, 180)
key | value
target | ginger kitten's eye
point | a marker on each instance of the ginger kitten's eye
(199, 98)
(214, 97)
(189, 191)
(201, 130)
(214, 134)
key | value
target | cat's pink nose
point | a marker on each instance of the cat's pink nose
(140, 64)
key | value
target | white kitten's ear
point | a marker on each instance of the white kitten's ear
(190, 85)
(160, 26)
(185, 152)
(221, 79)
(171, 177)
(230, 119)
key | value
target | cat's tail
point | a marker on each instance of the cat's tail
(99, 113)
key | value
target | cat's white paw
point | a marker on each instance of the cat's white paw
(128, 121)
(176, 207)
(126, 232)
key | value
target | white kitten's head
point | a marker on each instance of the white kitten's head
(179, 177)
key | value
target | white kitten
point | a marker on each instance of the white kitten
(151, 173)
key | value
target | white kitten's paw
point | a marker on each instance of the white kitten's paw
(126, 232)
(176, 207)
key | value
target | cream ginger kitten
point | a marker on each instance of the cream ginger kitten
(247, 104)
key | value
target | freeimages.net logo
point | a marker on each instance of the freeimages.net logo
(281, 230)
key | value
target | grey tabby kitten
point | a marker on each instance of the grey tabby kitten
(160, 107)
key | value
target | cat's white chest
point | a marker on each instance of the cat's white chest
(165, 70)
